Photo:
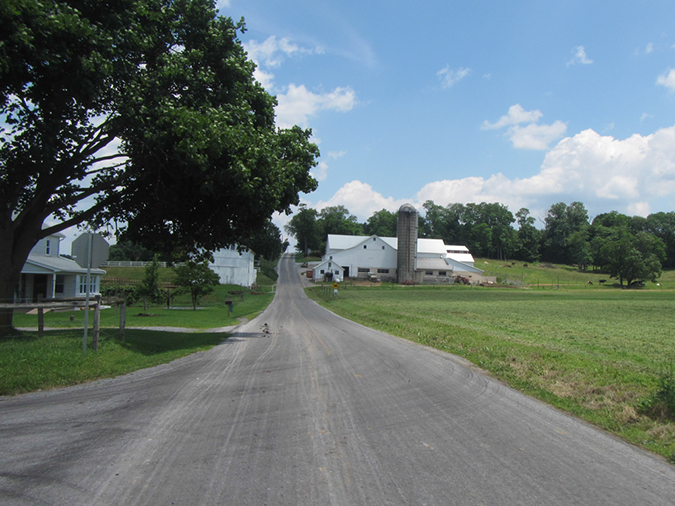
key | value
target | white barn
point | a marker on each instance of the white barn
(362, 256)
(234, 267)
(49, 275)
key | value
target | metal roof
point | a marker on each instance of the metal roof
(56, 265)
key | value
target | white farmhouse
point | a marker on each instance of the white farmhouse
(49, 275)
(234, 267)
(363, 256)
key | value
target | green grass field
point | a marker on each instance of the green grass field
(596, 353)
(28, 364)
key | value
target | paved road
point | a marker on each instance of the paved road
(301, 407)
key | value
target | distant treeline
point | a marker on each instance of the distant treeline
(631, 248)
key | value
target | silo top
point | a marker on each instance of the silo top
(407, 208)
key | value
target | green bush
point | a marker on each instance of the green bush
(129, 292)
(661, 405)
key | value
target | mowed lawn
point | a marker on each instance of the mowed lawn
(595, 353)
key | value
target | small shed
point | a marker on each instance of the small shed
(328, 270)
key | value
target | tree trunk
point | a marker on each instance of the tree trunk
(16, 242)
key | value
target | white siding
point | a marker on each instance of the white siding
(234, 268)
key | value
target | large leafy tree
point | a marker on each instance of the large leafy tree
(140, 113)
(561, 222)
(382, 223)
(633, 258)
(304, 227)
(528, 237)
(338, 220)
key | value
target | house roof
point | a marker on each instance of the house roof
(58, 265)
(434, 264)
(337, 242)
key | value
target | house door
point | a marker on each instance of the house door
(346, 269)
(39, 286)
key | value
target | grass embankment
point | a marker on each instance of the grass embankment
(595, 353)
(28, 363)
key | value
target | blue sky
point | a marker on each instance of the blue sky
(527, 103)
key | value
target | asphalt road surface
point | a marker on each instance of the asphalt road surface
(301, 407)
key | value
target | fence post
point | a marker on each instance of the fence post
(41, 318)
(97, 321)
(123, 317)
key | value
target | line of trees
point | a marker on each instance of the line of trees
(633, 249)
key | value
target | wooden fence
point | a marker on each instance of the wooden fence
(79, 302)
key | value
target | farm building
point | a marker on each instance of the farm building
(416, 260)
(235, 267)
(362, 256)
(49, 275)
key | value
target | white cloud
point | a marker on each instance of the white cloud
(667, 80)
(449, 77)
(627, 175)
(270, 54)
(272, 51)
(579, 57)
(532, 136)
(336, 154)
(298, 104)
(649, 48)
(320, 172)
(515, 116)
(535, 136)
(361, 200)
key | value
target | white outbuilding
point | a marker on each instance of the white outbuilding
(234, 267)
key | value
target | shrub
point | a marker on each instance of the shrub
(129, 292)
(661, 404)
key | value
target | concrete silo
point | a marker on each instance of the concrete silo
(406, 233)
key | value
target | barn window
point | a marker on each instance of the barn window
(364, 269)
(382, 247)
(322, 271)
(429, 273)
(365, 247)
(48, 248)
(383, 271)
(442, 273)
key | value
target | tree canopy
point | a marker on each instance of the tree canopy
(143, 114)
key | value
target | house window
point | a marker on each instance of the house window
(373, 238)
(48, 248)
(93, 284)
(322, 271)
(60, 283)
(383, 271)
